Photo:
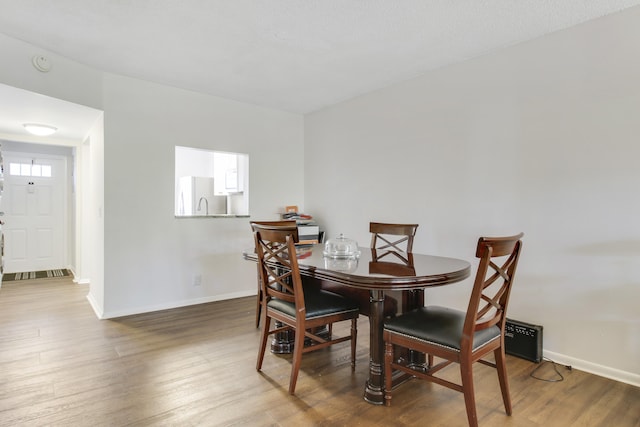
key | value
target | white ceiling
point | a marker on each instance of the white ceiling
(291, 55)
(19, 106)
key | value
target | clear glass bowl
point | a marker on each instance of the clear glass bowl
(341, 248)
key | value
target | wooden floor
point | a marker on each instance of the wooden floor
(195, 366)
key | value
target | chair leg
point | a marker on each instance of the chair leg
(501, 367)
(466, 374)
(388, 374)
(298, 346)
(354, 339)
(259, 305)
(258, 308)
(264, 336)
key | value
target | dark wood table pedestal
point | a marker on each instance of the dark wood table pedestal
(374, 388)
(282, 342)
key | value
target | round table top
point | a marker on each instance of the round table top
(380, 269)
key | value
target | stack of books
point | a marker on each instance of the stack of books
(308, 234)
(308, 231)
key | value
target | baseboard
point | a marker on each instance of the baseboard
(593, 368)
(175, 304)
(76, 279)
(79, 280)
(94, 306)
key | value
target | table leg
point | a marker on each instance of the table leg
(411, 300)
(374, 388)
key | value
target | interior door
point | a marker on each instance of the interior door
(34, 205)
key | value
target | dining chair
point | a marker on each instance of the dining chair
(395, 237)
(461, 337)
(289, 222)
(385, 239)
(286, 301)
(392, 240)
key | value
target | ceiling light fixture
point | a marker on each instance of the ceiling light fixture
(40, 130)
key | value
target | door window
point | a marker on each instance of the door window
(30, 169)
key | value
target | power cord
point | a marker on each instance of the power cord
(555, 368)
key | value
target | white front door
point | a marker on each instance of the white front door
(34, 201)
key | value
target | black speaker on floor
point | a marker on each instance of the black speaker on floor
(523, 340)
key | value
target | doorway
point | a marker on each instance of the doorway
(80, 131)
(35, 202)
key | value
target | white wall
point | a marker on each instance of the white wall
(91, 217)
(540, 138)
(142, 258)
(151, 257)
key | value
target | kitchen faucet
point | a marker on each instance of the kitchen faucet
(206, 202)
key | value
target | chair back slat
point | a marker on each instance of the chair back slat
(385, 236)
(277, 223)
(290, 222)
(277, 263)
(492, 287)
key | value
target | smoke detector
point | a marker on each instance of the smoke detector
(41, 63)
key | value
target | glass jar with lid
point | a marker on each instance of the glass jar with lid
(341, 247)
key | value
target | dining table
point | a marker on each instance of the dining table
(378, 272)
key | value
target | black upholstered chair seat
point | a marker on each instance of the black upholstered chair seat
(439, 325)
(318, 303)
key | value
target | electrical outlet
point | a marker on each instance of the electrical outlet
(197, 280)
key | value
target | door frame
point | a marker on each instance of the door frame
(66, 191)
